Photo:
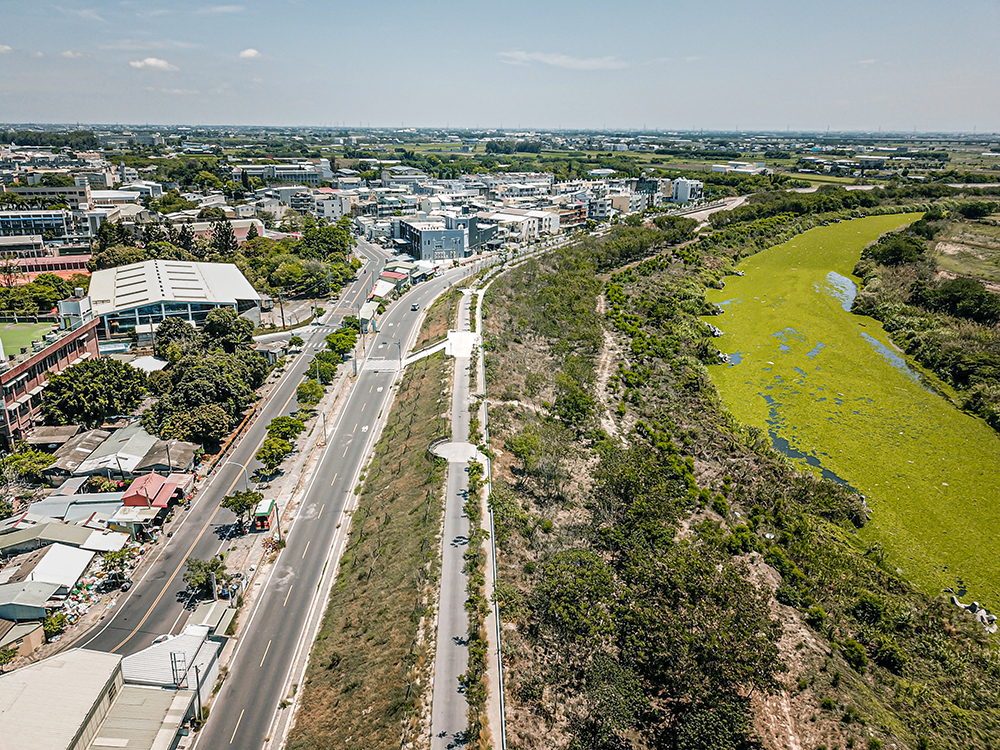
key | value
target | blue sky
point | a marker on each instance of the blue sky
(712, 64)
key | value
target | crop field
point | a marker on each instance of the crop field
(836, 396)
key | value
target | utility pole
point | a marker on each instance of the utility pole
(215, 588)
(281, 305)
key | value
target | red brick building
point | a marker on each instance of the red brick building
(24, 376)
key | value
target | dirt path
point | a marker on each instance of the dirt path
(606, 361)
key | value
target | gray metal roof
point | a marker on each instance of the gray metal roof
(143, 718)
(42, 534)
(121, 452)
(137, 284)
(76, 450)
(154, 665)
(43, 705)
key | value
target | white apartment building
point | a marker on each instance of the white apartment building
(685, 191)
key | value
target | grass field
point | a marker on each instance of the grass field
(367, 675)
(17, 335)
(831, 384)
(970, 250)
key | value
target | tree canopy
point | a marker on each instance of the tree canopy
(91, 391)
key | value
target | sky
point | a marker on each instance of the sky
(706, 64)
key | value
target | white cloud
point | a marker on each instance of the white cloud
(89, 13)
(867, 62)
(180, 92)
(38, 54)
(4, 49)
(556, 60)
(153, 62)
(249, 54)
(71, 55)
(214, 9)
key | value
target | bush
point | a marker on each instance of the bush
(816, 617)
(827, 704)
(888, 653)
(869, 609)
(854, 654)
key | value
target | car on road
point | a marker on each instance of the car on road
(414, 307)
(161, 638)
(126, 584)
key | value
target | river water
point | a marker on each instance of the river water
(835, 395)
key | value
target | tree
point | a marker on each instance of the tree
(242, 504)
(296, 341)
(185, 239)
(224, 239)
(54, 624)
(226, 329)
(309, 393)
(342, 340)
(285, 428)
(89, 392)
(198, 575)
(116, 563)
(272, 453)
(25, 464)
(252, 233)
(7, 655)
(174, 331)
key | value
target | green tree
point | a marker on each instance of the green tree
(242, 504)
(252, 233)
(7, 655)
(54, 624)
(285, 428)
(223, 327)
(89, 392)
(116, 563)
(309, 393)
(272, 452)
(198, 574)
(174, 331)
(224, 238)
(296, 341)
(25, 464)
(342, 341)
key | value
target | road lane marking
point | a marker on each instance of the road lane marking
(345, 449)
(287, 595)
(355, 428)
(322, 509)
(306, 549)
(364, 405)
(266, 649)
(237, 727)
(334, 480)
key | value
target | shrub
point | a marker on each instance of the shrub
(816, 617)
(888, 653)
(854, 654)
(827, 704)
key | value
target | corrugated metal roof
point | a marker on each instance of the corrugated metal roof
(152, 281)
(140, 716)
(29, 715)
(154, 666)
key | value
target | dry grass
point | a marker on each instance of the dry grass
(441, 317)
(367, 679)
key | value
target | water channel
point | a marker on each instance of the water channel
(836, 395)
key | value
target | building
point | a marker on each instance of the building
(429, 239)
(150, 292)
(24, 374)
(57, 563)
(72, 195)
(55, 225)
(79, 700)
(685, 191)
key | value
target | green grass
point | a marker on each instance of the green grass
(928, 469)
(441, 317)
(367, 675)
(17, 335)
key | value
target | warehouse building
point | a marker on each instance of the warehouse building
(150, 292)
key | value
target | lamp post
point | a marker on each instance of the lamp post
(246, 477)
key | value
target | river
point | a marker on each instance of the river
(839, 398)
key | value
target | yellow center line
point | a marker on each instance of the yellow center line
(237, 727)
(355, 428)
(334, 480)
(345, 450)
(266, 649)
(364, 405)
(321, 512)
(288, 595)
(184, 558)
(307, 548)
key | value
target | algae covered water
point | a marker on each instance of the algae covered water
(835, 395)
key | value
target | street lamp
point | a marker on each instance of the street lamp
(246, 477)
(399, 346)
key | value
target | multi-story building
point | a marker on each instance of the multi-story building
(72, 195)
(686, 190)
(430, 239)
(24, 374)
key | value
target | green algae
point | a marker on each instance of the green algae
(836, 395)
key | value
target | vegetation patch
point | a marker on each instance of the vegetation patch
(441, 317)
(367, 681)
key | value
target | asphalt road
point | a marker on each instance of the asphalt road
(258, 677)
(155, 604)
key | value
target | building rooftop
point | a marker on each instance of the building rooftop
(143, 718)
(29, 715)
(153, 281)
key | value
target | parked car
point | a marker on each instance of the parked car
(126, 584)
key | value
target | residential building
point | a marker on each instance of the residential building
(430, 239)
